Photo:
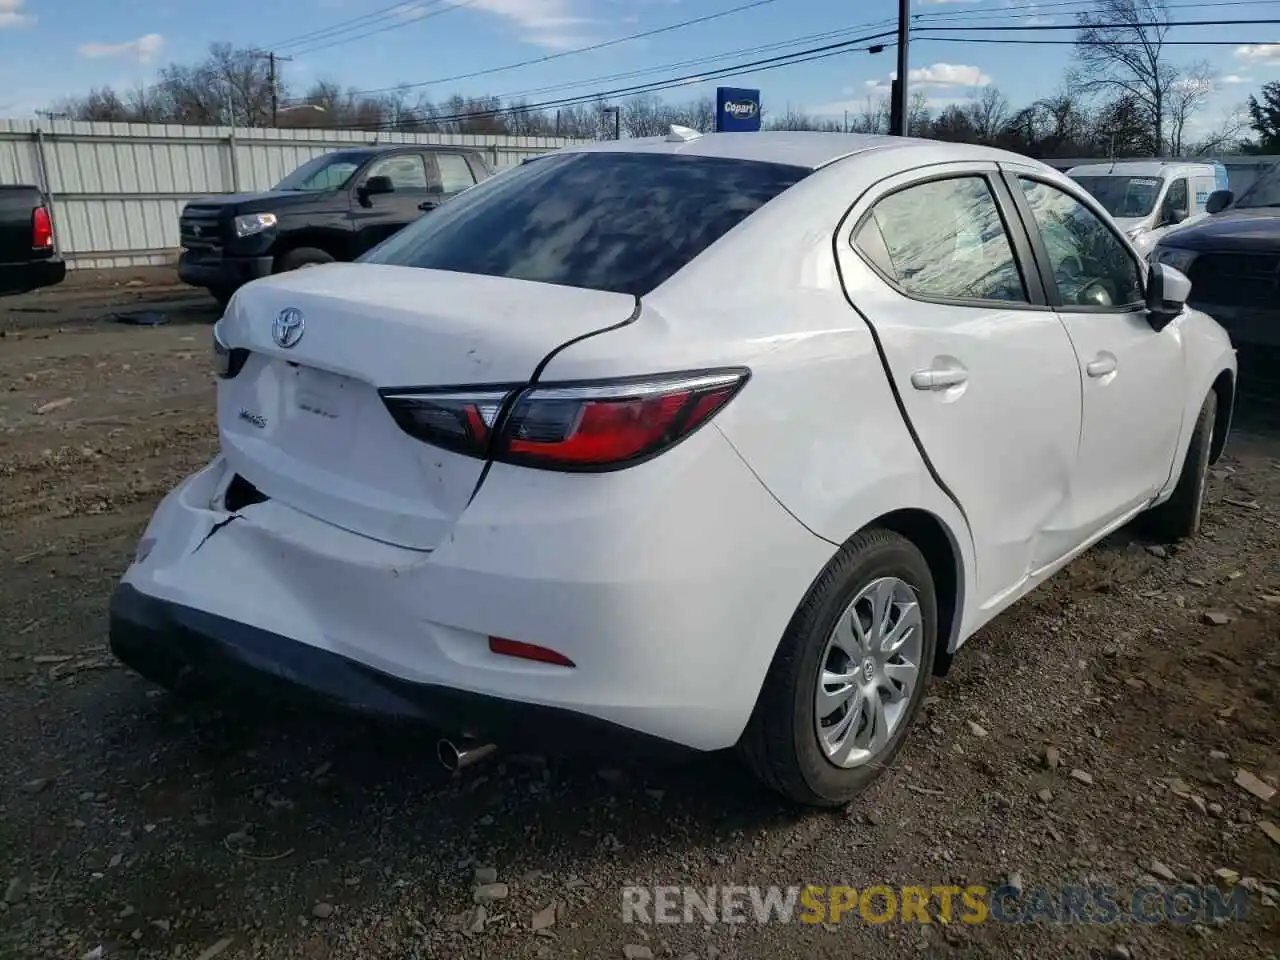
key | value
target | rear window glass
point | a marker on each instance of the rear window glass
(622, 222)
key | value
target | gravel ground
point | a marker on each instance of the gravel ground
(149, 828)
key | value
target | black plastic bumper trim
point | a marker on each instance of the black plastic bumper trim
(198, 654)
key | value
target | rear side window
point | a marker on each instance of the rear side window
(621, 222)
(943, 240)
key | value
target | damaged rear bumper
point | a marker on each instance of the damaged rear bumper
(209, 657)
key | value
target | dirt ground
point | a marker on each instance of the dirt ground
(135, 826)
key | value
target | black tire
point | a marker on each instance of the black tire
(780, 744)
(223, 295)
(1179, 516)
(302, 257)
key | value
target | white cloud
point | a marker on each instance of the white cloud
(144, 49)
(939, 75)
(11, 14)
(548, 23)
(1260, 52)
(949, 75)
(1234, 78)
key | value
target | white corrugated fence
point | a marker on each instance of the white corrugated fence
(118, 188)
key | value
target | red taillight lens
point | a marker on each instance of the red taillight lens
(604, 425)
(41, 230)
(611, 425)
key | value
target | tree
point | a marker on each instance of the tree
(873, 117)
(987, 114)
(1187, 95)
(1119, 55)
(1264, 116)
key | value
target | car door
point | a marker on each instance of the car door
(1131, 375)
(941, 270)
(378, 216)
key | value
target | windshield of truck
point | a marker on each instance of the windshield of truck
(1264, 192)
(329, 172)
(1123, 196)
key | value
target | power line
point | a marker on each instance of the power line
(967, 16)
(679, 64)
(756, 66)
(402, 22)
(917, 28)
(690, 62)
(1094, 43)
(1109, 26)
(397, 10)
(706, 18)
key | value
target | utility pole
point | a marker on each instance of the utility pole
(272, 58)
(898, 93)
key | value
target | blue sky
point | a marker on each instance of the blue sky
(51, 48)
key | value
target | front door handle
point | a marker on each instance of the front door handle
(1101, 366)
(428, 205)
(939, 378)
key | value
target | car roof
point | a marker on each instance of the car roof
(797, 148)
(1140, 168)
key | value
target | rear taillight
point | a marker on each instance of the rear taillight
(41, 230)
(604, 425)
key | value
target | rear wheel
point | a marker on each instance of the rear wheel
(1179, 516)
(302, 257)
(849, 676)
(223, 295)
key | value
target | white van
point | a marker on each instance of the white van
(1148, 198)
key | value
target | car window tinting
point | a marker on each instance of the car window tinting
(621, 222)
(945, 240)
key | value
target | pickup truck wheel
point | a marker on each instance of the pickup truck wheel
(302, 257)
(849, 675)
(1179, 516)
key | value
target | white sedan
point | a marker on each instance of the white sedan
(719, 441)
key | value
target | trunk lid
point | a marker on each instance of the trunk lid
(305, 423)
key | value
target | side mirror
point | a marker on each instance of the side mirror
(376, 185)
(1175, 215)
(1218, 201)
(1167, 292)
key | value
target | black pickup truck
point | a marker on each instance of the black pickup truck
(28, 255)
(334, 207)
(1232, 257)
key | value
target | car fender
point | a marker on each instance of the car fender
(1207, 354)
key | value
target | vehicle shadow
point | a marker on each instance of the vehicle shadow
(277, 810)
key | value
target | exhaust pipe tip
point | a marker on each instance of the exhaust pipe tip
(457, 756)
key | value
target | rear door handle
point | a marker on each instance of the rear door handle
(1100, 367)
(428, 205)
(939, 378)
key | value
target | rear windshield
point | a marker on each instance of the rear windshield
(622, 222)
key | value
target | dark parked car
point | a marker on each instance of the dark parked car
(28, 255)
(1232, 257)
(334, 207)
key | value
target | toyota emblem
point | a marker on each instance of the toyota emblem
(288, 327)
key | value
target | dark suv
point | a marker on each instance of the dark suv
(1232, 258)
(334, 207)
